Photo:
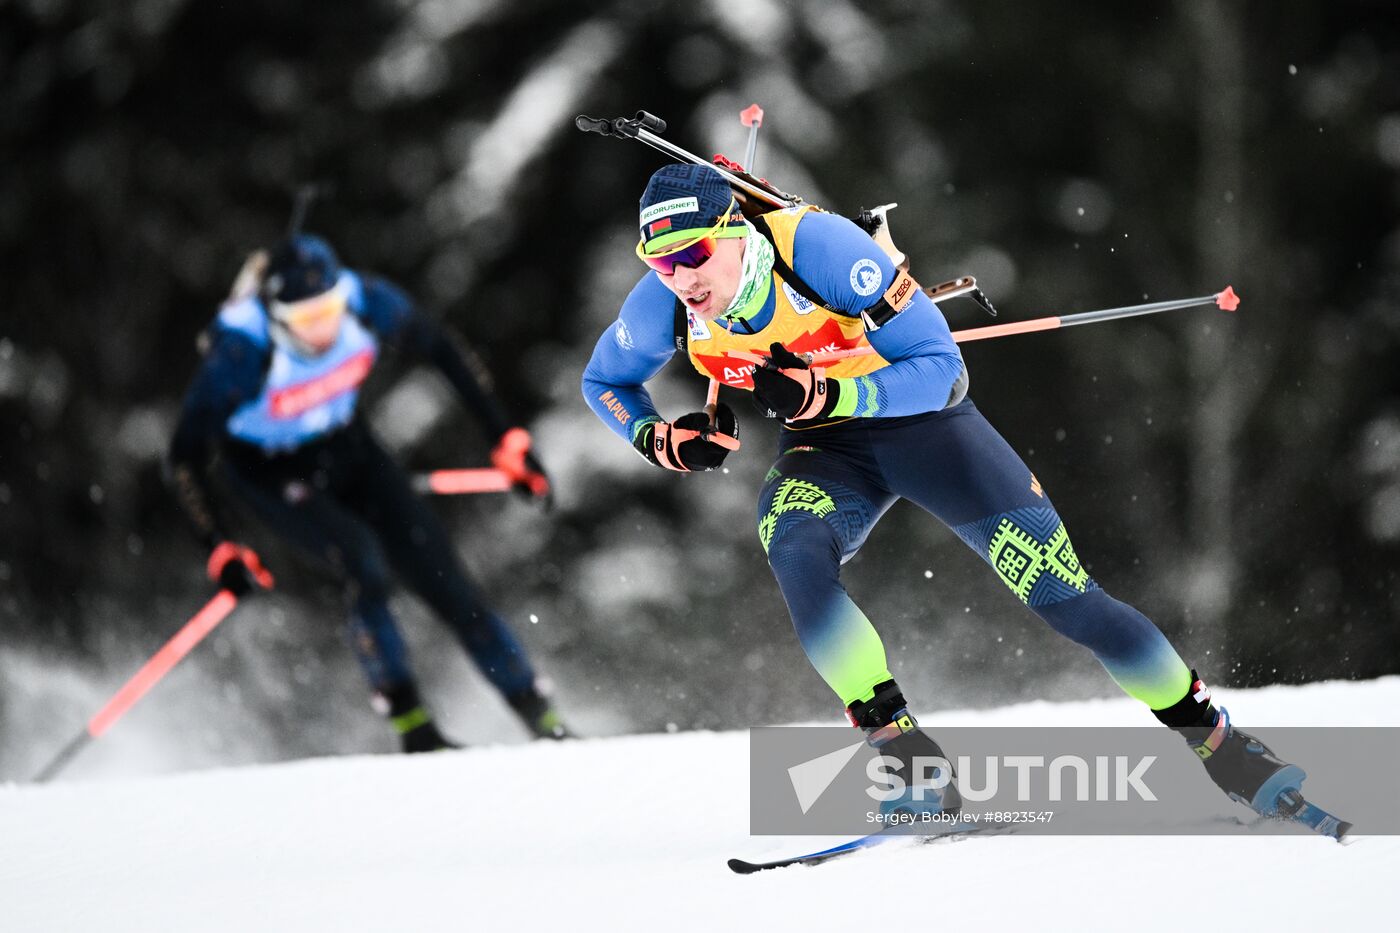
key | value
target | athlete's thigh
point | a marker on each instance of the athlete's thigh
(308, 518)
(415, 538)
(959, 468)
(955, 465)
(807, 483)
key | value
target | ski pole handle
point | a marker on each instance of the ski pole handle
(512, 457)
(713, 434)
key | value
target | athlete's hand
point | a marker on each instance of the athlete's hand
(237, 569)
(512, 455)
(689, 443)
(785, 385)
(250, 276)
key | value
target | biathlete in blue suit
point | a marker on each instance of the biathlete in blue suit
(742, 299)
(271, 421)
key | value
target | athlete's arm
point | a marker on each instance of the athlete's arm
(835, 257)
(230, 375)
(630, 352)
(391, 314)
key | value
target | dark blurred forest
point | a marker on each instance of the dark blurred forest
(1237, 477)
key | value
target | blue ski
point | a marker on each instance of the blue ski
(1292, 807)
(964, 828)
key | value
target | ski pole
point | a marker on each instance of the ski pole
(713, 434)
(160, 663)
(752, 117)
(462, 482)
(825, 359)
(712, 403)
(1226, 300)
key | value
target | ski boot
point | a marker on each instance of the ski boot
(411, 720)
(1242, 766)
(1247, 769)
(889, 727)
(536, 710)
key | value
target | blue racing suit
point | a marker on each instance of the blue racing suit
(279, 429)
(903, 429)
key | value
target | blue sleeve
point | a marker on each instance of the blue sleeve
(631, 351)
(231, 374)
(382, 305)
(851, 271)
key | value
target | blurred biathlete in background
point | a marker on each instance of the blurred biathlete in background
(741, 299)
(271, 420)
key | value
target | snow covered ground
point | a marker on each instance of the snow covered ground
(632, 833)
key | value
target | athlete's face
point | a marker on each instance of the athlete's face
(315, 321)
(708, 289)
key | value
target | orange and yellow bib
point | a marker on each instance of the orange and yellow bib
(797, 323)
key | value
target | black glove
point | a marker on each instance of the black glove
(689, 443)
(785, 385)
(237, 569)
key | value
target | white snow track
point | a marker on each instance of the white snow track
(632, 833)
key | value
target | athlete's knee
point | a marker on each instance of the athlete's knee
(1031, 552)
(800, 544)
(1087, 618)
(794, 518)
